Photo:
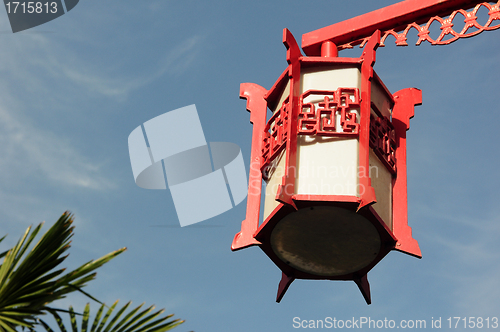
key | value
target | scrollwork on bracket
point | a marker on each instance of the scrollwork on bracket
(446, 28)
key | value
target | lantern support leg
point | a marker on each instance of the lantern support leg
(404, 109)
(285, 282)
(257, 106)
(364, 287)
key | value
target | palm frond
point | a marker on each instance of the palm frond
(31, 279)
(134, 321)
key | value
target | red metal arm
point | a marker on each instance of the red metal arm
(402, 16)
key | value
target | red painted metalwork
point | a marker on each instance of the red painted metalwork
(447, 27)
(368, 61)
(405, 101)
(276, 134)
(383, 141)
(327, 198)
(329, 49)
(398, 19)
(257, 106)
(312, 121)
(293, 54)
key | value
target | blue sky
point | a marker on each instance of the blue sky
(73, 89)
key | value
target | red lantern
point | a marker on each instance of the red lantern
(333, 156)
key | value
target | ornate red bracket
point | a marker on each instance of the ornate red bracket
(470, 20)
(398, 19)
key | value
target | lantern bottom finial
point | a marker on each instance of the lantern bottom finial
(364, 287)
(285, 282)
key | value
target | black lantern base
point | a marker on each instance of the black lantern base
(325, 240)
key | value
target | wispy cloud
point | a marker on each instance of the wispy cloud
(174, 62)
(111, 77)
(29, 151)
(470, 265)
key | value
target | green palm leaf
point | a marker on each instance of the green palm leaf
(31, 279)
(134, 321)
